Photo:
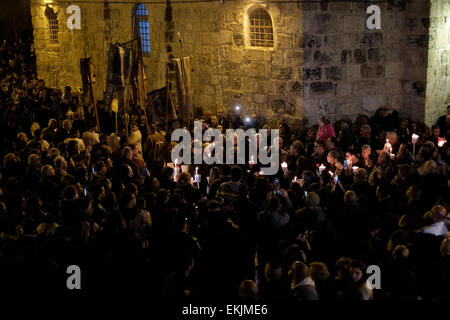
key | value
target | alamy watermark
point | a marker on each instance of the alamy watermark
(260, 151)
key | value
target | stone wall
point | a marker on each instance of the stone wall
(348, 69)
(324, 59)
(438, 76)
(226, 71)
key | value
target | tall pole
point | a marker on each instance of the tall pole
(183, 77)
(166, 119)
(93, 96)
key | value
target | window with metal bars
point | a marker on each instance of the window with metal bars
(261, 30)
(53, 27)
(142, 27)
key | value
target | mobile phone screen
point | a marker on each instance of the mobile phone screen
(335, 179)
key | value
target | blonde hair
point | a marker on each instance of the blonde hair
(319, 271)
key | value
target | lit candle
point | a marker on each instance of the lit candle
(251, 162)
(441, 142)
(321, 168)
(414, 139)
(331, 173)
(355, 168)
(196, 175)
(387, 145)
(175, 171)
(295, 179)
(284, 165)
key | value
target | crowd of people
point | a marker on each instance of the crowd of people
(348, 195)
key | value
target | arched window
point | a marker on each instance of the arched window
(261, 30)
(141, 27)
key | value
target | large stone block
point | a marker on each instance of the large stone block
(322, 58)
(418, 40)
(326, 23)
(225, 36)
(354, 23)
(365, 87)
(334, 73)
(360, 56)
(373, 39)
(372, 103)
(256, 55)
(394, 70)
(258, 70)
(371, 70)
(312, 74)
(322, 88)
(236, 56)
(250, 86)
(259, 98)
(344, 89)
(312, 41)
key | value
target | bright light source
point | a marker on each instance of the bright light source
(237, 108)
(247, 119)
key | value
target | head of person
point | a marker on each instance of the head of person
(365, 131)
(298, 272)
(319, 271)
(350, 198)
(445, 247)
(47, 171)
(34, 161)
(435, 131)
(236, 174)
(351, 156)
(333, 157)
(127, 153)
(358, 272)
(366, 151)
(248, 290)
(297, 148)
(384, 158)
(322, 121)
(319, 148)
(273, 271)
(342, 267)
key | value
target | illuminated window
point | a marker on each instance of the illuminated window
(261, 30)
(142, 27)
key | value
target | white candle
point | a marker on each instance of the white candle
(175, 171)
(251, 160)
(414, 139)
(441, 142)
(321, 168)
(387, 145)
(355, 168)
(284, 165)
(196, 175)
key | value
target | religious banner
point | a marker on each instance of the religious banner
(89, 89)
(184, 89)
(162, 112)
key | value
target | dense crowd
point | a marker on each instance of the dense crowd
(348, 195)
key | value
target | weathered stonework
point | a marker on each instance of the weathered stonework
(438, 75)
(226, 70)
(324, 60)
(360, 69)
